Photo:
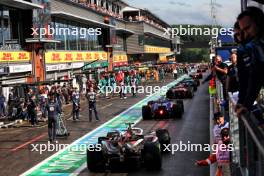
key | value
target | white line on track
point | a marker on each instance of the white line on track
(106, 106)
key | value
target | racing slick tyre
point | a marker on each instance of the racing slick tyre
(195, 88)
(152, 156)
(95, 161)
(176, 111)
(198, 83)
(170, 94)
(164, 138)
(146, 113)
(180, 103)
(190, 94)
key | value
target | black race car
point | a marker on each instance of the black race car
(193, 83)
(163, 108)
(129, 149)
(180, 91)
(196, 75)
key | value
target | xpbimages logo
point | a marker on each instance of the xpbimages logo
(59, 31)
(55, 147)
(190, 147)
(149, 90)
(197, 31)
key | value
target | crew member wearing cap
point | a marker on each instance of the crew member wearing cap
(220, 124)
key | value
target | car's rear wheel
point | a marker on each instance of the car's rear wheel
(181, 104)
(170, 94)
(176, 111)
(190, 94)
(152, 156)
(95, 161)
(164, 138)
(146, 113)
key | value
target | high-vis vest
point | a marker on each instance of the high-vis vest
(212, 87)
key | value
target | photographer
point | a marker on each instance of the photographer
(221, 70)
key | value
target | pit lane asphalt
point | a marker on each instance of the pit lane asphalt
(194, 129)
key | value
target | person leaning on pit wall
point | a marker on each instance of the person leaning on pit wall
(252, 27)
(221, 155)
(219, 124)
(232, 78)
(220, 69)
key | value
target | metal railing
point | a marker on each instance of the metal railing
(247, 136)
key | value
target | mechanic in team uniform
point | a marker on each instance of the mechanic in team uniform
(76, 105)
(53, 110)
(91, 98)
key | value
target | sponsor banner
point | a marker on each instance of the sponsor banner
(120, 60)
(163, 58)
(71, 160)
(95, 65)
(52, 67)
(155, 49)
(77, 65)
(20, 68)
(64, 66)
(15, 56)
(118, 64)
(4, 70)
(73, 56)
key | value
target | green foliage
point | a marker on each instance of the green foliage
(194, 55)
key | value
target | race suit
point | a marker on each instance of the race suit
(222, 157)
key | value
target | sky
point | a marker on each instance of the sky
(191, 11)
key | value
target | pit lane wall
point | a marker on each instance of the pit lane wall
(247, 136)
(71, 161)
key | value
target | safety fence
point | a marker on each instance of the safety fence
(246, 133)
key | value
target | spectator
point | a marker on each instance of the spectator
(221, 155)
(175, 73)
(134, 85)
(2, 104)
(220, 70)
(65, 93)
(43, 100)
(232, 78)
(251, 24)
(75, 104)
(220, 124)
(91, 97)
(31, 108)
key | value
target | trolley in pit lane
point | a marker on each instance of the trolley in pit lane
(61, 127)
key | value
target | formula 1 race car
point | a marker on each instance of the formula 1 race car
(180, 91)
(128, 149)
(193, 83)
(163, 108)
(196, 75)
